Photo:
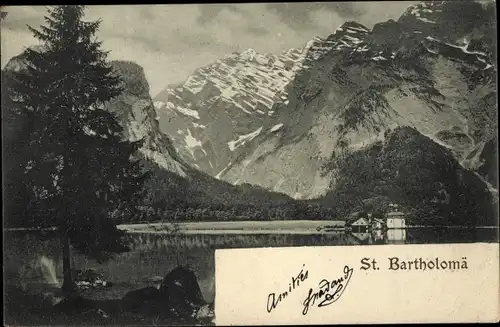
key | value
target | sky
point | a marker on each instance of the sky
(171, 41)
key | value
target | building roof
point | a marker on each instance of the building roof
(395, 214)
(364, 220)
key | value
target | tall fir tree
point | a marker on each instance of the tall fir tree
(83, 176)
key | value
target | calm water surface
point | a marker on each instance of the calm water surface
(34, 262)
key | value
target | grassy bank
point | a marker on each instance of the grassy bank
(34, 309)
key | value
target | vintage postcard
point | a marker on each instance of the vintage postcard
(250, 163)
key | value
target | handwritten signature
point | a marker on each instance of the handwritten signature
(329, 291)
(273, 300)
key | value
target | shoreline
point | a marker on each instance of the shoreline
(305, 227)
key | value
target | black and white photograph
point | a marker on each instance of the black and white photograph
(139, 139)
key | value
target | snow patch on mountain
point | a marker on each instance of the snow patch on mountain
(277, 127)
(191, 142)
(158, 104)
(425, 20)
(218, 176)
(242, 139)
(464, 48)
(359, 28)
(184, 111)
(196, 125)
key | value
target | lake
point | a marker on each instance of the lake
(34, 262)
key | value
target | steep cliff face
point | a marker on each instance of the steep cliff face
(135, 111)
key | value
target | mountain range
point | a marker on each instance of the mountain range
(275, 120)
(404, 112)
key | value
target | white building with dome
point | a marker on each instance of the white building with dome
(395, 218)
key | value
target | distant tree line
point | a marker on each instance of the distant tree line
(183, 212)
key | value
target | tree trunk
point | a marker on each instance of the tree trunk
(68, 286)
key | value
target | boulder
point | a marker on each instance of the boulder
(179, 296)
(180, 289)
(147, 298)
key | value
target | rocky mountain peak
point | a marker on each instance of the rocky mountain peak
(354, 27)
(350, 35)
(424, 9)
(241, 89)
